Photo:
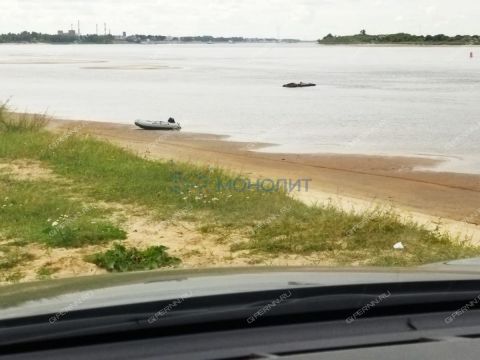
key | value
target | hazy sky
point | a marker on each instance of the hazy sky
(305, 19)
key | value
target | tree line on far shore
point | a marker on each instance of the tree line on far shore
(401, 38)
(36, 37)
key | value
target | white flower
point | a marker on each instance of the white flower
(398, 246)
(215, 199)
(55, 223)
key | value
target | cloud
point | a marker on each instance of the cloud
(307, 19)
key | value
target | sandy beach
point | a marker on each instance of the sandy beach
(350, 181)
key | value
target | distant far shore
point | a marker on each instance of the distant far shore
(74, 37)
(400, 39)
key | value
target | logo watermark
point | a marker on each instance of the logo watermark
(59, 315)
(272, 218)
(267, 308)
(461, 137)
(364, 309)
(201, 182)
(170, 307)
(362, 223)
(65, 136)
(365, 134)
(471, 218)
(365, 219)
(265, 185)
(449, 319)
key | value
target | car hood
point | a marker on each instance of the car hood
(56, 296)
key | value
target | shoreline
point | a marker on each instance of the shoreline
(399, 45)
(434, 162)
(352, 182)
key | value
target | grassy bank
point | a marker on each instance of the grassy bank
(41, 211)
(84, 171)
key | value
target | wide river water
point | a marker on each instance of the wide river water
(369, 99)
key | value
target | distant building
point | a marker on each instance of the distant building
(124, 34)
(68, 33)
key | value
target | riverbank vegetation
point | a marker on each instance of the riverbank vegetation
(64, 191)
(400, 39)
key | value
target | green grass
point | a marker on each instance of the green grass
(10, 122)
(275, 224)
(367, 238)
(83, 231)
(113, 174)
(121, 259)
(39, 211)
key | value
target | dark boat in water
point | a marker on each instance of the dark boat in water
(298, 85)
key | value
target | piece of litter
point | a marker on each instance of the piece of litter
(399, 246)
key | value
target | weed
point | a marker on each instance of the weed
(121, 259)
